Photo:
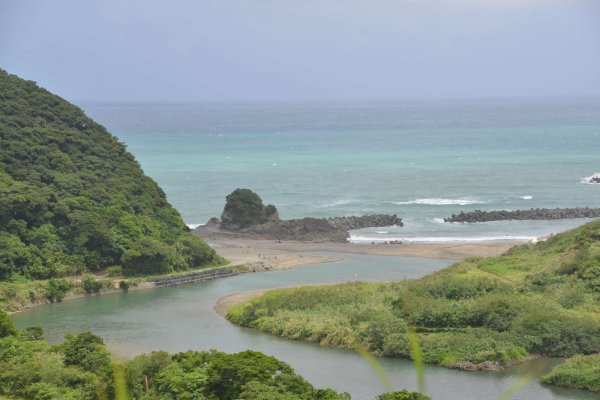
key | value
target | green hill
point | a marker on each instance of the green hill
(72, 199)
(483, 313)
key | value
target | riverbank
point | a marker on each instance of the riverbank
(283, 255)
(484, 313)
(256, 256)
(287, 254)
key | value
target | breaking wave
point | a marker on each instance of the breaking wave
(440, 202)
(588, 179)
(336, 203)
(446, 239)
(194, 226)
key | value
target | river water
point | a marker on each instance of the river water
(182, 318)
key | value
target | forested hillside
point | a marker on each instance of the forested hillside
(72, 199)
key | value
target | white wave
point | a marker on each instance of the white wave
(336, 203)
(527, 197)
(438, 220)
(440, 202)
(382, 232)
(588, 179)
(443, 239)
(194, 226)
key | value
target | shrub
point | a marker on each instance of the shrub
(56, 289)
(115, 270)
(582, 372)
(6, 325)
(403, 395)
(91, 284)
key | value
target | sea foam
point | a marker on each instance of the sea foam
(588, 179)
(443, 239)
(527, 197)
(336, 203)
(440, 202)
(194, 226)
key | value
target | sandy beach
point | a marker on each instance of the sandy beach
(287, 254)
(263, 255)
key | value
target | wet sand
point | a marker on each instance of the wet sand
(282, 254)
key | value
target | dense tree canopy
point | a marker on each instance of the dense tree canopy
(73, 199)
(248, 375)
(244, 208)
(80, 368)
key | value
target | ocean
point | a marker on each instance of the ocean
(420, 160)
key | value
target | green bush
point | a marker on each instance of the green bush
(402, 395)
(56, 289)
(91, 284)
(115, 270)
(6, 325)
(581, 372)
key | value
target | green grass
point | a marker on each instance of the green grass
(581, 372)
(535, 299)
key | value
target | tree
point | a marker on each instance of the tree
(402, 395)
(150, 256)
(35, 332)
(7, 328)
(244, 208)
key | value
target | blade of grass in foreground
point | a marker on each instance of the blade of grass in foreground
(417, 356)
(530, 376)
(375, 364)
(120, 383)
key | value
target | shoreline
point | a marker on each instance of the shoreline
(269, 255)
(267, 248)
(248, 251)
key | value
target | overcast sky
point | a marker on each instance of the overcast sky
(270, 50)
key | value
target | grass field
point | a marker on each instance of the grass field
(537, 299)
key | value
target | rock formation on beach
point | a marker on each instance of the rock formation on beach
(244, 216)
(595, 179)
(531, 214)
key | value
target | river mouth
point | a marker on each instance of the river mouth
(182, 318)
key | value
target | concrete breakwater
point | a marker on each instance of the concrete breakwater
(531, 214)
(366, 221)
(200, 276)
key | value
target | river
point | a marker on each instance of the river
(182, 318)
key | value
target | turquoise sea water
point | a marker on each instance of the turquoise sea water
(422, 161)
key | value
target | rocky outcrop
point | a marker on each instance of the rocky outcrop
(595, 179)
(317, 230)
(531, 214)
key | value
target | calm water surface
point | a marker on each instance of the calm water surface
(182, 318)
